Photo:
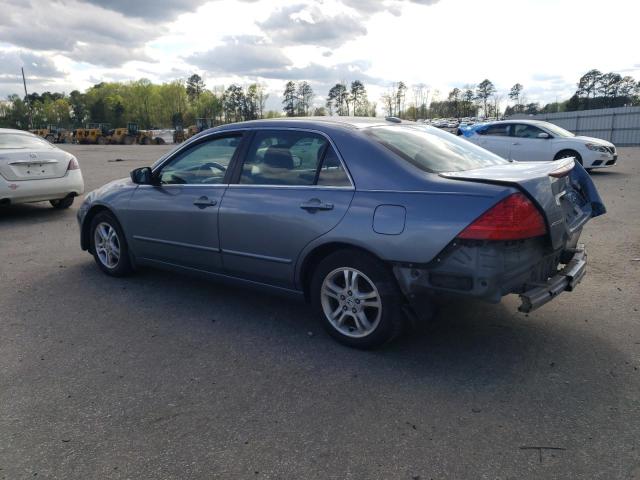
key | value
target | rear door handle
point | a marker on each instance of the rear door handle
(315, 204)
(515, 143)
(204, 202)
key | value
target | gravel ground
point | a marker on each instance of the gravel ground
(163, 376)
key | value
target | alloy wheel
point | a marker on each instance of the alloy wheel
(107, 245)
(351, 302)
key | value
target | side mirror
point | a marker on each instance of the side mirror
(544, 135)
(142, 176)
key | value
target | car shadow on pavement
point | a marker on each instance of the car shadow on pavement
(469, 342)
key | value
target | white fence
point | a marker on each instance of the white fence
(621, 126)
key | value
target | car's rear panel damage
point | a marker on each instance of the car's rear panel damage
(487, 264)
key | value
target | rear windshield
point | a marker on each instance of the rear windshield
(22, 140)
(433, 150)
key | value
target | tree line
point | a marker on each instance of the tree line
(180, 102)
(176, 103)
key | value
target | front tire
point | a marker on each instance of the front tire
(357, 299)
(62, 203)
(109, 246)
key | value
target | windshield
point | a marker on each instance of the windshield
(558, 131)
(22, 140)
(433, 150)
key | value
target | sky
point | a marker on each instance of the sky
(545, 45)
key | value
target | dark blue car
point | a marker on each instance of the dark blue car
(367, 219)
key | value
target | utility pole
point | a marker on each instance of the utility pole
(26, 97)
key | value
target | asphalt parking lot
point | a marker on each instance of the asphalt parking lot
(162, 376)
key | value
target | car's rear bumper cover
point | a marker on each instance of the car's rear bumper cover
(490, 270)
(25, 191)
(565, 280)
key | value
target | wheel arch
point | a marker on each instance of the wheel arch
(571, 151)
(316, 254)
(85, 234)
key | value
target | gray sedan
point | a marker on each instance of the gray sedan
(369, 220)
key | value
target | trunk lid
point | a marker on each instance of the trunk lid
(567, 201)
(20, 164)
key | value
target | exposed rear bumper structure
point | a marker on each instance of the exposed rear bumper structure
(565, 280)
(489, 270)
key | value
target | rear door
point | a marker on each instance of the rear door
(291, 188)
(495, 138)
(176, 222)
(526, 146)
(26, 157)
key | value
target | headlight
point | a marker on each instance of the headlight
(597, 148)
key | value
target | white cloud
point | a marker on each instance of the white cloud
(442, 43)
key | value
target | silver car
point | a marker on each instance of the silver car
(368, 220)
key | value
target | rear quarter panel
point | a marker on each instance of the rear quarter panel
(433, 218)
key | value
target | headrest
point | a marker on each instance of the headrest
(278, 156)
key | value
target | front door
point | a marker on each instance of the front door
(176, 222)
(291, 189)
(495, 138)
(527, 146)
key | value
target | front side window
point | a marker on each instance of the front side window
(291, 157)
(558, 131)
(433, 151)
(521, 130)
(204, 164)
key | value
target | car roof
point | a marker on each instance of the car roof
(537, 123)
(321, 123)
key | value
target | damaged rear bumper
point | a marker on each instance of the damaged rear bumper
(490, 270)
(565, 280)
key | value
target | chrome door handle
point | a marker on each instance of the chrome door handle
(515, 143)
(204, 202)
(315, 204)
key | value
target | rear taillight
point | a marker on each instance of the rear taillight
(514, 218)
(73, 164)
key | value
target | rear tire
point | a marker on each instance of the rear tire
(109, 246)
(62, 203)
(356, 298)
(567, 154)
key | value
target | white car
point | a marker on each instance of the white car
(33, 170)
(533, 140)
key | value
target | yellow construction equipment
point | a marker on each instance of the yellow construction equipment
(124, 135)
(131, 135)
(54, 134)
(94, 133)
(201, 125)
(178, 133)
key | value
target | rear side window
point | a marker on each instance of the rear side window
(433, 151)
(291, 157)
(501, 130)
(22, 141)
(331, 171)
